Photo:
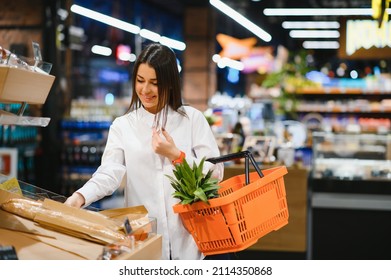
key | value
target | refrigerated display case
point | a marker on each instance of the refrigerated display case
(352, 156)
(350, 197)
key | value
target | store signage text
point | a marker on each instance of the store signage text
(363, 35)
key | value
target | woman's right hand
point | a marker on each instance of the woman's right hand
(164, 145)
(75, 200)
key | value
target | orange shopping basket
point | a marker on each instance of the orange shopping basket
(250, 206)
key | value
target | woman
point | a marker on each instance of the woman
(157, 132)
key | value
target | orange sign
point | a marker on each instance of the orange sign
(234, 48)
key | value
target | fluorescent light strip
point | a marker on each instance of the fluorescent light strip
(241, 20)
(175, 44)
(310, 24)
(127, 57)
(319, 12)
(101, 50)
(150, 35)
(223, 62)
(321, 44)
(147, 34)
(216, 58)
(314, 34)
(227, 62)
(105, 19)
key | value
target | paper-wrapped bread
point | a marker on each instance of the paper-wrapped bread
(26, 208)
(34, 210)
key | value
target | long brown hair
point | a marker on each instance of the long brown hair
(163, 60)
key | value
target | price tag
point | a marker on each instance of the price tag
(127, 226)
(8, 253)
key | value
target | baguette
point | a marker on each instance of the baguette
(23, 207)
(77, 224)
(30, 209)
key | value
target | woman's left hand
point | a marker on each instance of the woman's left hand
(164, 145)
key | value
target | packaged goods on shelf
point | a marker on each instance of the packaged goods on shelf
(98, 110)
(84, 141)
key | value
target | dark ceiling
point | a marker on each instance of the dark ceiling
(253, 10)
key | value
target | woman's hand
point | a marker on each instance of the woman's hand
(75, 200)
(164, 145)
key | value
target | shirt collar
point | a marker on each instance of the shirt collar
(149, 117)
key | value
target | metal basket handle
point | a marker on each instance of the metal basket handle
(247, 155)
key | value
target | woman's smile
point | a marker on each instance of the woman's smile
(147, 88)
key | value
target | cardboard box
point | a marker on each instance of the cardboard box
(20, 85)
(46, 244)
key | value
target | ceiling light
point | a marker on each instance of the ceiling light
(227, 62)
(105, 19)
(216, 58)
(321, 45)
(150, 35)
(241, 20)
(175, 44)
(128, 27)
(127, 57)
(101, 50)
(314, 34)
(223, 62)
(318, 12)
(310, 24)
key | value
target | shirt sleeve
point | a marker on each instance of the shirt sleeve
(204, 145)
(108, 177)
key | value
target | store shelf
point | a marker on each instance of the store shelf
(341, 109)
(341, 91)
(7, 118)
(308, 107)
(22, 134)
(82, 148)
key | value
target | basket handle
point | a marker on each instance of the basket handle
(247, 155)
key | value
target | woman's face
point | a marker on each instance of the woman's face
(147, 87)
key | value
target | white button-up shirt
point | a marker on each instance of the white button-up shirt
(129, 151)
